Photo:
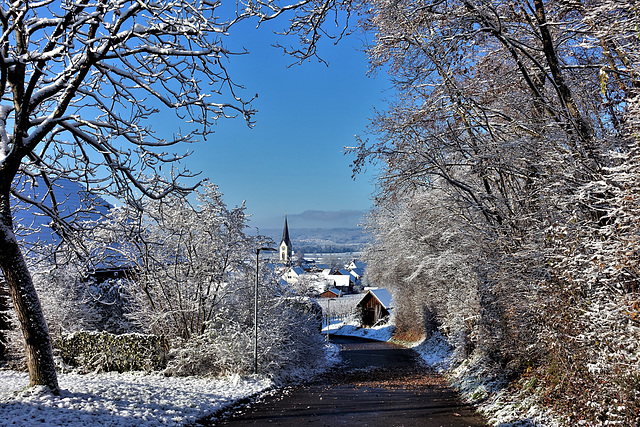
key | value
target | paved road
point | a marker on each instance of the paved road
(378, 384)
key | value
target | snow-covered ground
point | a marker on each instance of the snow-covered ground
(378, 333)
(141, 399)
(127, 399)
(493, 400)
(113, 399)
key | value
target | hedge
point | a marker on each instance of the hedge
(103, 351)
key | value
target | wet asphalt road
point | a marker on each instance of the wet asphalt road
(378, 384)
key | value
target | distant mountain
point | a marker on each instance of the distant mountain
(75, 205)
(322, 240)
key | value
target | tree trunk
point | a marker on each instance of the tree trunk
(5, 325)
(27, 305)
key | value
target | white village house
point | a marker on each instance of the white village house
(292, 275)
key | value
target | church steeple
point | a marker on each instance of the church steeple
(286, 248)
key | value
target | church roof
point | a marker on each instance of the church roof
(285, 233)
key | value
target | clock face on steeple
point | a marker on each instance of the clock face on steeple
(284, 248)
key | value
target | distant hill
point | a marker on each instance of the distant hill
(75, 205)
(322, 240)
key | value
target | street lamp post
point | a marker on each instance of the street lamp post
(255, 310)
(328, 318)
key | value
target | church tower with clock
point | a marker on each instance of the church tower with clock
(285, 248)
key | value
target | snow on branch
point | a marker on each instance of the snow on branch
(94, 74)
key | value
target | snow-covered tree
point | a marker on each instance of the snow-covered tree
(185, 258)
(428, 258)
(5, 323)
(81, 83)
(524, 114)
(289, 338)
(192, 282)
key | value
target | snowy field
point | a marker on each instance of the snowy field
(131, 399)
(112, 399)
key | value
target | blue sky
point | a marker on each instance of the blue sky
(292, 161)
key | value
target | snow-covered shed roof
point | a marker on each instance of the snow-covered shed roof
(381, 295)
(298, 271)
(339, 280)
(336, 292)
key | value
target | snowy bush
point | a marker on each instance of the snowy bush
(186, 258)
(193, 284)
(290, 336)
(102, 351)
(72, 300)
(224, 348)
(289, 341)
(111, 303)
(62, 291)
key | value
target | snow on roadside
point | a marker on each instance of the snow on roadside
(113, 399)
(474, 383)
(492, 400)
(435, 351)
(133, 398)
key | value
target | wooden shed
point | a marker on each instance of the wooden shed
(375, 305)
(331, 293)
